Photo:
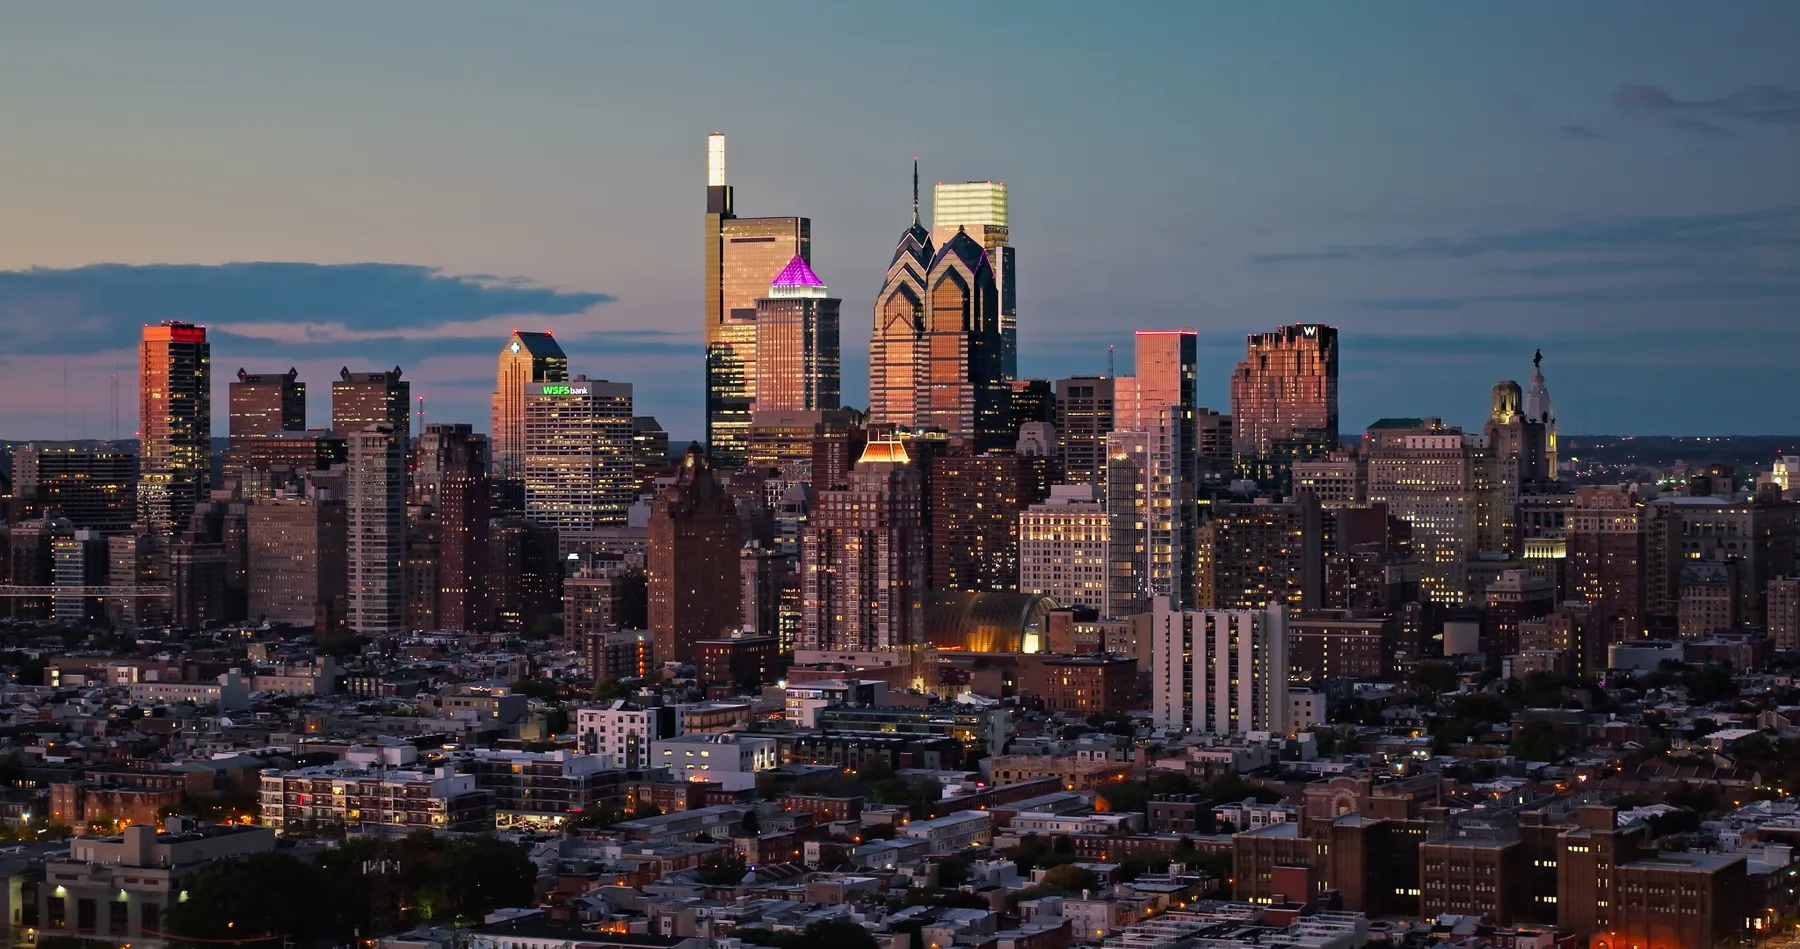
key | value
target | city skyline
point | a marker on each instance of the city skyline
(1448, 214)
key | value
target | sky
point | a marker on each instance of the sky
(1453, 186)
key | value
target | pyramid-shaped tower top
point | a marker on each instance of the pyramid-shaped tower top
(796, 280)
(797, 274)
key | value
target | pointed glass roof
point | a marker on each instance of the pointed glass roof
(797, 274)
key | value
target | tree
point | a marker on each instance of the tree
(546, 627)
(542, 689)
(613, 690)
(1068, 878)
(749, 824)
(262, 894)
(1536, 740)
(953, 871)
(1434, 678)
(721, 870)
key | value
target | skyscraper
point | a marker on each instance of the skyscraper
(1286, 389)
(980, 209)
(526, 358)
(740, 258)
(1160, 401)
(297, 571)
(1063, 547)
(1434, 477)
(375, 508)
(935, 355)
(94, 488)
(580, 469)
(862, 564)
(1150, 529)
(174, 424)
(263, 403)
(362, 399)
(694, 580)
(1251, 555)
(452, 477)
(975, 503)
(1084, 417)
(1167, 373)
(797, 363)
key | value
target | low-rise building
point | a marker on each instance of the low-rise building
(540, 790)
(959, 831)
(620, 734)
(374, 800)
(116, 889)
(729, 758)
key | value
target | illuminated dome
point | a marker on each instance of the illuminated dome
(987, 622)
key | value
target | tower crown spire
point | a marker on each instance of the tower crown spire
(915, 191)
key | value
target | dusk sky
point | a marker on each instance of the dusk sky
(1453, 185)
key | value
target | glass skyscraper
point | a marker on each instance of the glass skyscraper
(174, 424)
(979, 208)
(741, 257)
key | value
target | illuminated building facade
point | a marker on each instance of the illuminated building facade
(862, 563)
(740, 258)
(797, 364)
(94, 488)
(979, 208)
(1150, 529)
(174, 424)
(375, 507)
(1430, 475)
(975, 505)
(524, 359)
(297, 571)
(935, 353)
(1287, 386)
(579, 457)
(362, 399)
(1063, 547)
(1250, 555)
(263, 403)
(1084, 417)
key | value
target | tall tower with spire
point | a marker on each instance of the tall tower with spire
(936, 355)
(1536, 407)
(741, 257)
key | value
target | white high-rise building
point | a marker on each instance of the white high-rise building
(375, 505)
(1223, 672)
(1063, 547)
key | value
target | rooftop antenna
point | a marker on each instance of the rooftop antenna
(915, 191)
(65, 432)
(1109, 360)
(115, 403)
(421, 415)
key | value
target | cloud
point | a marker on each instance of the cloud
(1772, 228)
(104, 305)
(1579, 133)
(1767, 104)
(1700, 127)
(1777, 290)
